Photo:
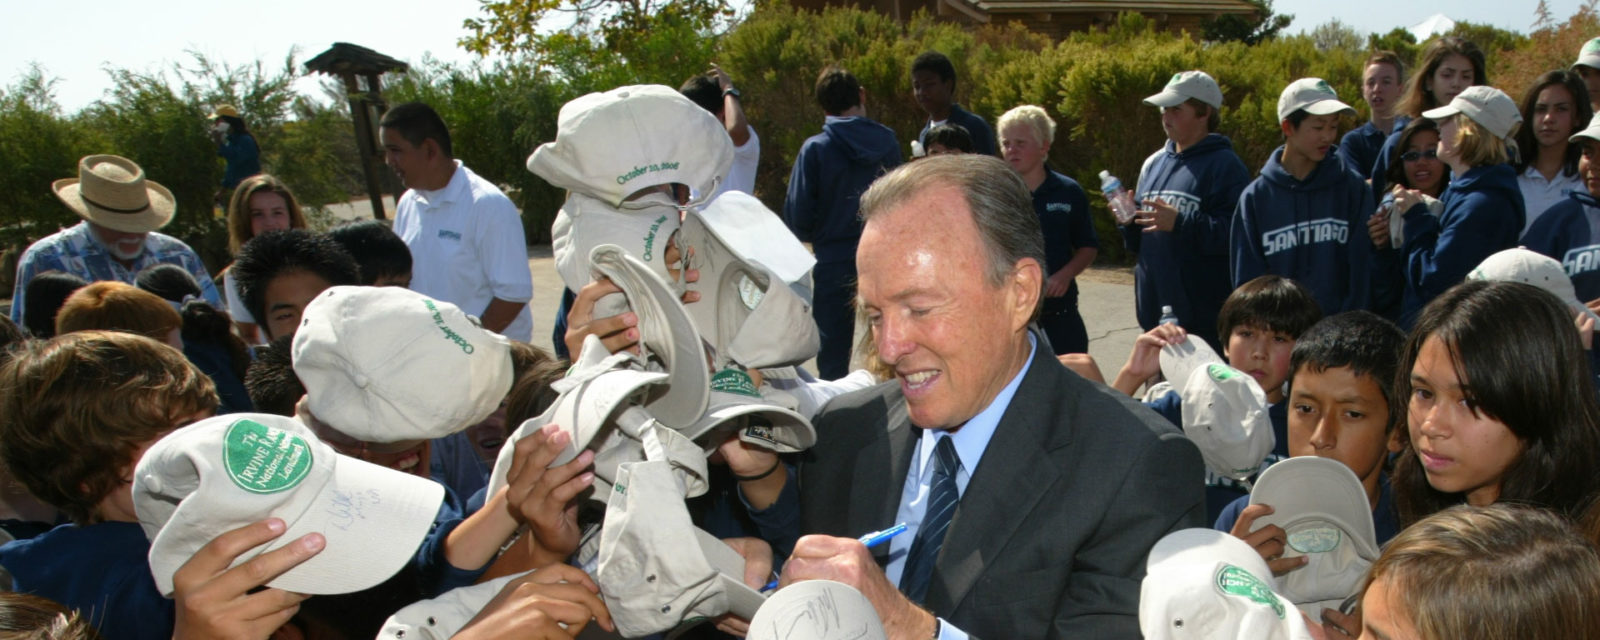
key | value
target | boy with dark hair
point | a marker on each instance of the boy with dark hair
(465, 235)
(280, 272)
(714, 92)
(947, 138)
(1188, 190)
(1342, 408)
(271, 382)
(1305, 216)
(381, 255)
(933, 83)
(830, 173)
(76, 414)
(1261, 320)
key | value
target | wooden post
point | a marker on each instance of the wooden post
(361, 116)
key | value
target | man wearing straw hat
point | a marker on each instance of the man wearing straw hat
(121, 212)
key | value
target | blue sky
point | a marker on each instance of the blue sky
(74, 46)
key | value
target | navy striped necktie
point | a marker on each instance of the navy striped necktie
(942, 498)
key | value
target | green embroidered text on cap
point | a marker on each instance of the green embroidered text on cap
(261, 459)
(1322, 85)
(1176, 77)
(438, 321)
(1221, 372)
(650, 168)
(650, 238)
(734, 381)
(1234, 581)
(1592, 46)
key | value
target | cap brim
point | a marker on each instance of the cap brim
(1166, 99)
(743, 601)
(1306, 486)
(665, 330)
(373, 518)
(1329, 107)
(1441, 112)
(789, 432)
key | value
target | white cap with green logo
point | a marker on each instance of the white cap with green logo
(1225, 415)
(229, 471)
(1324, 511)
(1312, 94)
(1589, 55)
(1202, 584)
(388, 364)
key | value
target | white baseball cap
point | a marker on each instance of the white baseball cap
(1180, 360)
(1322, 507)
(1202, 584)
(817, 610)
(736, 406)
(591, 396)
(1589, 55)
(667, 338)
(229, 471)
(612, 144)
(1225, 415)
(584, 223)
(1537, 269)
(1589, 133)
(442, 617)
(1185, 85)
(657, 570)
(1489, 107)
(755, 284)
(1312, 94)
(388, 364)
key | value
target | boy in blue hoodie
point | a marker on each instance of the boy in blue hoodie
(1305, 218)
(1570, 230)
(76, 414)
(1189, 189)
(831, 172)
(1380, 87)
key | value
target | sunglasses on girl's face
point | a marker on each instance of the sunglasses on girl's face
(1413, 156)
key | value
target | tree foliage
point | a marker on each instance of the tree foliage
(1254, 29)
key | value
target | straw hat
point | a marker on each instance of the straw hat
(111, 191)
(225, 110)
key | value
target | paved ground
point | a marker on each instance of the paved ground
(1105, 297)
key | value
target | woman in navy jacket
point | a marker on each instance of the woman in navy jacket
(1483, 208)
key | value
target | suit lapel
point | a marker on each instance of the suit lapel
(880, 472)
(1013, 476)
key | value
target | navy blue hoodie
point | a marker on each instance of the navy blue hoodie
(1359, 148)
(1570, 232)
(832, 171)
(1187, 268)
(1313, 231)
(1482, 215)
(101, 570)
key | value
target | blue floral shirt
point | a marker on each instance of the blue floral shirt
(76, 250)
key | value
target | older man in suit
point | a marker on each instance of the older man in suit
(1033, 495)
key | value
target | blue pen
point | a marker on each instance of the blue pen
(870, 540)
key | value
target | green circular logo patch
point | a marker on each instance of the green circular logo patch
(261, 459)
(1233, 581)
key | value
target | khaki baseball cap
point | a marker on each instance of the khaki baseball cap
(1312, 94)
(1185, 85)
(1489, 107)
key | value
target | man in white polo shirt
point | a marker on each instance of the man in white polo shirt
(465, 235)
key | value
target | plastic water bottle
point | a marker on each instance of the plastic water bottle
(1167, 316)
(1121, 202)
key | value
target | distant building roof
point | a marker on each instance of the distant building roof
(1436, 24)
(344, 57)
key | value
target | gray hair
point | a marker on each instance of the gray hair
(1000, 203)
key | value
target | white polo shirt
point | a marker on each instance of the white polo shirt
(467, 247)
(1539, 194)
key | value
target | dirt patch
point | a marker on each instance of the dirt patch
(1108, 275)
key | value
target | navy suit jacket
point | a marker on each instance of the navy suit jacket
(1051, 535)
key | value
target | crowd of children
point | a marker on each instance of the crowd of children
(1399, 426)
